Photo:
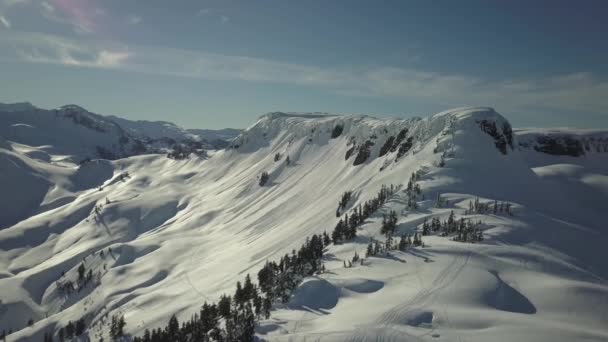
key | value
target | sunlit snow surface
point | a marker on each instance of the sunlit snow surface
(182, 232)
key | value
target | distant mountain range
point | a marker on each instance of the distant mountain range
(78, 134)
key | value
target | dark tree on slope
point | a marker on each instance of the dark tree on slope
(117, 326)
(81, 272)
(389, 223)
(173, 329)
(223, 306)
(264, 178)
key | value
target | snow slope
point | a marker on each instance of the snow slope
(178, 232)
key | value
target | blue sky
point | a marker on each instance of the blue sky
(213, 64)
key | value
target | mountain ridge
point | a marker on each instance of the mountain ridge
(178, 232)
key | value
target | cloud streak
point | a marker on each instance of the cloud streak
(577, 92)
(134, 19)
(5, 22)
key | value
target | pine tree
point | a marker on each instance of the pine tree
(425, 228)
(172, 329)
(223, 306)
(61, 334)
(370, 250)
(326, 239)
(266, 307)
(239, 295)
(248, 288)
(81, 272)
(69, 330)
(80, 327)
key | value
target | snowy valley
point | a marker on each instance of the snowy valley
(452, 227)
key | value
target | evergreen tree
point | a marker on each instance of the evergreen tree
(223, 306)
(61, 334)
(370, 250)
(426, 229)
(69, 330)
(239, 294)
(80, 327)
(326, 239)
(266, 307)
(248, 288)
(173, 329)
(81, 272)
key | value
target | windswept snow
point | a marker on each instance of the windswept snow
(176, 233)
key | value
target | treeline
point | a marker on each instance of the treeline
(346, 229)
(476, 207)
(71, 330)
(249, 303)
(464, 230)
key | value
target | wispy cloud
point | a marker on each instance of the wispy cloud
(580, 91)
(49, 49)
(81, 15)
(134, 19)
(209, 12)
(9, 3)
(5, 22)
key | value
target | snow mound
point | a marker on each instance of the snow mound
(315, 294)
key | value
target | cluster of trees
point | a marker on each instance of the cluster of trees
(476, 207)
(264, 178)
(377, 248)
(238, 313)
(71, 330)
(344, 199)
(66, 286)
(117, 326)
(183, 150)
(278, 280)
(346, 229)
(441, 202)
(412, 192)
(389, 223)
(463, 229)
(278, 156)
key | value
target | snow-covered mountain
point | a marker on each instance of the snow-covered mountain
(71, 133)
(522, 257)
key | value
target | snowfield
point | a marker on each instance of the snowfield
(161, 236)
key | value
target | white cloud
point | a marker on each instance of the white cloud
(5, 22)
(208, 12)
(10, 3)
(574, 91)
(49, 49)
(48, 8)
(203, 12)
(134, 19)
